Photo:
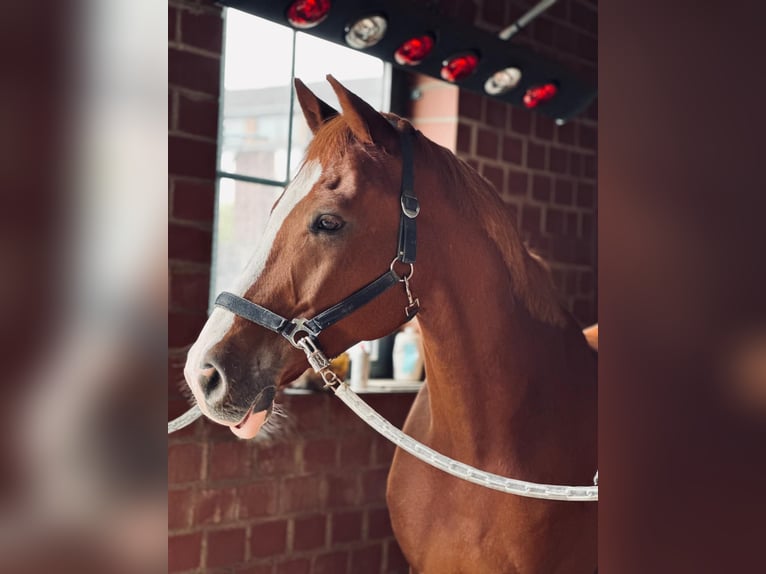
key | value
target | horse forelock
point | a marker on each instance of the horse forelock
(531, 280)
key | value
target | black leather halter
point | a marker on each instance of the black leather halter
(294, 330)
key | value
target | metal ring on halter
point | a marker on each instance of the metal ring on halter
(300, 329)
(407, 277)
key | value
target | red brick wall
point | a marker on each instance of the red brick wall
(546, 172)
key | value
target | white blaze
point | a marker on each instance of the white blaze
(220, 320)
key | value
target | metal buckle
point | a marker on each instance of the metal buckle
(298, 327)
(410, 206)
(316, 358)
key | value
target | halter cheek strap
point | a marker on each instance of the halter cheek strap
(295, 330)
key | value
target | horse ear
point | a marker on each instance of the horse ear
(315, 110)
(368, 125)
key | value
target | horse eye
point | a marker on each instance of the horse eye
(328, 222)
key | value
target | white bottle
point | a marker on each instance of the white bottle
(360, 365)
(408, 355)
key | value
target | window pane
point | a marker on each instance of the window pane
(243, 209)
(256, 97)
(361, 73)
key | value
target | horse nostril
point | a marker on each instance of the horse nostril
(210, 379)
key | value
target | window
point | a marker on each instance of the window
(263, 134)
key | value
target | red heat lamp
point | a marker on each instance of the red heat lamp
(305, 14)
(459, 66)
(414, 50)
(539, 94)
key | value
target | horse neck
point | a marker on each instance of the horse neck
(491, 367)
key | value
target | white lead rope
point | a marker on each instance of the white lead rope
(456, 468)
(435, 459)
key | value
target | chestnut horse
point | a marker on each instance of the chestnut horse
(511, 380)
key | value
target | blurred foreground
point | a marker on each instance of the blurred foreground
(83, 290)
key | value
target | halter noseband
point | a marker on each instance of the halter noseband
(302, 333)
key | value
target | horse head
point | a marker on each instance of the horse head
(332, 231)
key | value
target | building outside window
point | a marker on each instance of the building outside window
(262, 132)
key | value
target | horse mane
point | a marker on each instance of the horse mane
(530, 276)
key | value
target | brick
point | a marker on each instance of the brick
(343, 419)
(541, 187)
(586, 226)
(180, 506)
(367, 558)
(521, 120)
(309, 532)
(575, 163)
(493, 13)
(344, 490)
(530, 218)
(566, 134)
(215, 506)
(535, 155)
(470, 105)
(273, 459)
(585, 194)
(544, 127)
(256, 569)
(202, 30)
(257, 499)
(189, 243)
(229, 460)
(184, 463)
(374, 485)
(309, 412)
(192, 158)
(586, 136)
(584, 17)
(384, 452)
(346, 527)
(225, 547)
(558, 160)
(583, 252)
(395, 560)
(571, 224)
(193, 71)
(565, 39)
(517, 182)
(583, 311)
(554, 221)
(571, 282)
(378, 523)
(299, 566)
(189, 291)
(172, 23)
(393, 407)
(184, 551)
(355, 451)
(320, 454)
(183, 328)
(496, 113)
(542, 31)
(563, 249)
(563, 192)
(495, 176)
(487, 144)
(331, 563)
(198, 115)
(300, 494)
(513, 149)
(587, 48)
(464, 135)
(194, 200)
(589, 168)
(268, 539)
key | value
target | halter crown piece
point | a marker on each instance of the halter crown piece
(302, 334)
